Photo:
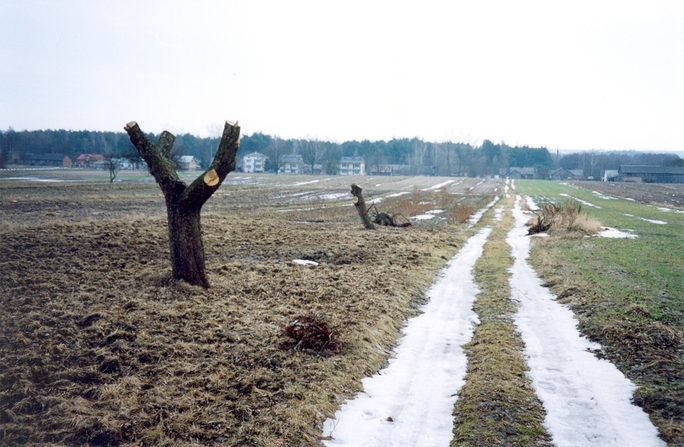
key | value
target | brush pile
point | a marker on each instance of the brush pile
(567, 220)
(312, 332)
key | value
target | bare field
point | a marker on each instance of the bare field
(100, 346)
(671, 194)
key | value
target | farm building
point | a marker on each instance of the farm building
(352, 166)
(651, 173)
(561, 174)
(187, 163)
(87, 160)
(520, 173)
(254, 162)
(578, 173)
(610, 175)
(291, 164)
(49, 160)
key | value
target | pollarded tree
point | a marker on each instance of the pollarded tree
(184, 202)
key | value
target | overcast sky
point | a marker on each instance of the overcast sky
(561, 74)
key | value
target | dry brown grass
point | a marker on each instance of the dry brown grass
(99, 345)
(409, 205)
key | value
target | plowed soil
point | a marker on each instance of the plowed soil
(668, 194)
(100, 346)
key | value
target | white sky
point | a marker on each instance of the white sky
(562, 74)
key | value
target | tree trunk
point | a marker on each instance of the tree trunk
(183, 202)
(187, 250)
(360, 205)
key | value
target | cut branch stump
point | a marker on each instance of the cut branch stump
(360, 205)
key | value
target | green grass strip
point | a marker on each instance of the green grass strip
(497, 406)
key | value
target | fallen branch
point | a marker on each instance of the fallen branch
(388, 219)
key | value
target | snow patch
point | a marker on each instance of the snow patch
(418, 388)
(306, 183)
(304, 262)
(616, 234)
(498, 214)
(439, 185)
(658, 222)
(603, 196)
(34, 179)
(670, 210)
(475, 218)
(334, 196)
(580, 201)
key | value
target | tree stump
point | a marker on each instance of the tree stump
(360, 205)
(183, 202)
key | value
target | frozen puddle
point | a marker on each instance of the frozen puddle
(587, 399)
(410, 403)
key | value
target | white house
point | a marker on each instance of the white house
(291, 164)
(352, 166)
(254, 162)
(188, 163)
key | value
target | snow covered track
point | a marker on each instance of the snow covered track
(410, 403)
(587, 399)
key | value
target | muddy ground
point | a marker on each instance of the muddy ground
(99, 346)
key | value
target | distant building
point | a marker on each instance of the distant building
(561, 174)
(610, 175)
(87, 160)
(352, 166)
(49, 160)
(291, 164)
(520, 173)
(254, 162)
(187, 163)
(651, 173)
(578, 173)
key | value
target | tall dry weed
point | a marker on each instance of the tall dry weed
(460, 213)
(565, 220)
(418, 202)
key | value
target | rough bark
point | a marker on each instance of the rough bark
(360, 205)
(184, 202)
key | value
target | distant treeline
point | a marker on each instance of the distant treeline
(418, 157)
